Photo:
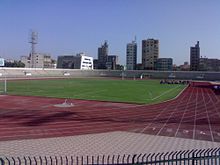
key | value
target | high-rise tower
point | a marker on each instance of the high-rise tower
(194, 57)
(150, 53)
(102, 56)
(131, 55)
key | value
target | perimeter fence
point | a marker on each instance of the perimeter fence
(185, 157)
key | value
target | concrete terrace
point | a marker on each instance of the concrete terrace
(111, 143)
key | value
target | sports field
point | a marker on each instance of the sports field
(116, 90)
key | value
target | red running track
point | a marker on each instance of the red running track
(195, 114)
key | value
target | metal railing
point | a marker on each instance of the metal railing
(185, 157)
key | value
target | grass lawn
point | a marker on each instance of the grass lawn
(132, 91)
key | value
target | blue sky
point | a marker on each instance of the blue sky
(73, 26)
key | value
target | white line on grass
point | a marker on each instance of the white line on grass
(150, 95)
(164, 93)
(90, 92)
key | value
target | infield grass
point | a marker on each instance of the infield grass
(132, 91)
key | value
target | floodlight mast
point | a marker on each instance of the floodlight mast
(33, 41)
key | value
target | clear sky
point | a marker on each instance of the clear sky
(73, 26)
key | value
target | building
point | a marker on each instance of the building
(39, 61)
(184, 67)
(79, 61)
(150, 53)
(26, 60)
(208, 64)
(139, 66)
(95, 64)
(2, 62)
(112, 61)
(86, 62)
(68, 62)
(194, 57)
(102, 56)
(164, 64)
(131, 56)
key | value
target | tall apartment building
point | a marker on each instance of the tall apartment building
(102, 56)
(150, 53)
(131, 56)
(194, 57)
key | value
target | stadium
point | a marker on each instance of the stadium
(66, 116)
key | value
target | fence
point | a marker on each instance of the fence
(186, 157)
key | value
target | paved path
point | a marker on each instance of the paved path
(111, 143)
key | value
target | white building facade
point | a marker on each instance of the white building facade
(86, 63)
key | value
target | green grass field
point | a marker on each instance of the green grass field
(132, 91)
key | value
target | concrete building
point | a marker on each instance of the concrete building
(150, 53)
(164, 64)
(79, 61)
(112, 61)
(39, 61)
(95, 64)
(26, 60)
(139, 66)
(131, 56)
(194, 57)
(207, 64)
(184, 67)
(2, 61)
(67, 62)
(102, 56)
(86, 62)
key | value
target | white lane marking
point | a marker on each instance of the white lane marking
(168, 91)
